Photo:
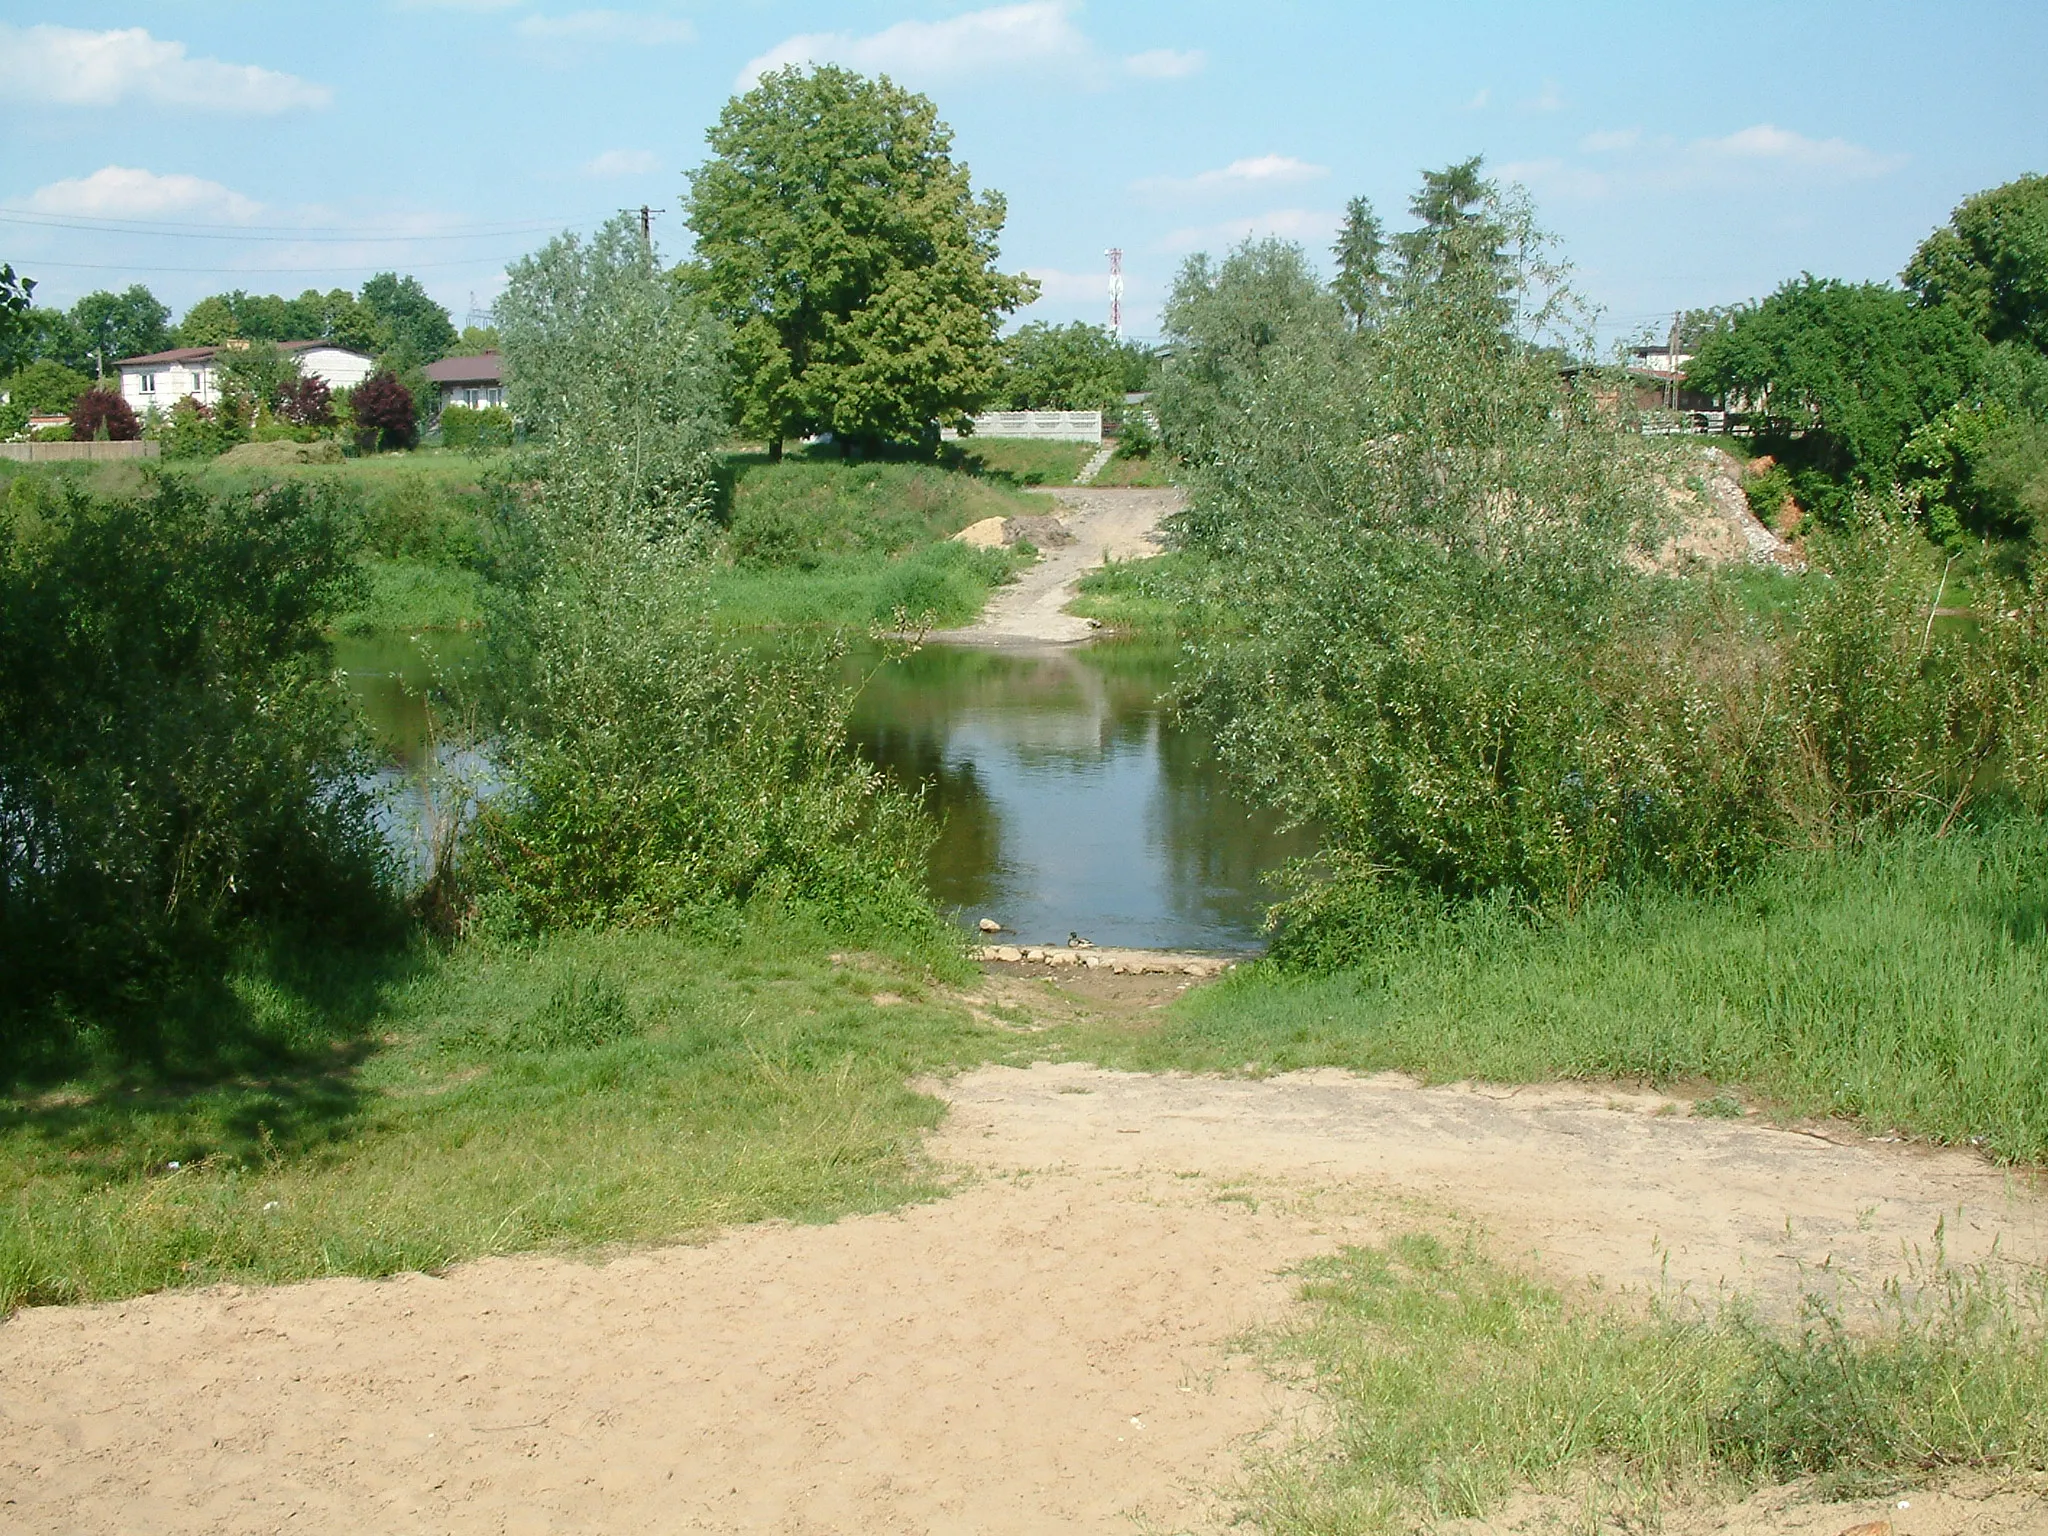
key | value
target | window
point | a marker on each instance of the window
(149, 383)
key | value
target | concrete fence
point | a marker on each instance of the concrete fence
(1047, 426)
(58, 453)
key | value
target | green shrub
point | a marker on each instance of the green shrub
(176, 759)
(1444, 651)
(1767, 494)
(471, 428)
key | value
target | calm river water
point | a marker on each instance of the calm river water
(1069, 802)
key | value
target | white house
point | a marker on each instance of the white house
(162, 379)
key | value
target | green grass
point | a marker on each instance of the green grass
(935, 586)
(823, 542)
(1452, 1381)
(1156, 471)
(1017, 460)
(362, 1116)
(1904, 986)
(1148, 596)
(416, 595)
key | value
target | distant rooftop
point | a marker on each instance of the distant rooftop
(479, 368)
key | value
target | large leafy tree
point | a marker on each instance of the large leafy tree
(394, 318)
(411, 328)
(111, 326)
(1855, 367)
(1077, 367)
(17, 298)
(851, 257)
(1990, 263)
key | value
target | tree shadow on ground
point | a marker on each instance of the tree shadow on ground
(248, 1067)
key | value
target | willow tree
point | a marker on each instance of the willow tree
(852, 258)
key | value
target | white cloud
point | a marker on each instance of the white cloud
(1611, 141)
(1480, 99)
(1310, 226)
(1252, 171)
(975, 42)
(1556, 176)
(74, 68)
(120, 192)
(1057, 287)
(1782, 146)
(623, 162)
(1166, 63)
(1549, 99)
(607, 27)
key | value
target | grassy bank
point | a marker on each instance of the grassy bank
(1904, 986)
(819, 542)
(1452, 1381)
(363, 1115)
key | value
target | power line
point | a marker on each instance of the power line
(180, 229)
(332, 266)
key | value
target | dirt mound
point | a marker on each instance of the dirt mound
(278, 454)
(1715, 523)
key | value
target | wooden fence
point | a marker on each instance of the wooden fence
(60, 453)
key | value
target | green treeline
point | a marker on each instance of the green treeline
(1940, 387)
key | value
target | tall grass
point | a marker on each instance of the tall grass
(1904, 985)
(1452, 1381)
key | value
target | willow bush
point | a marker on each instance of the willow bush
(1438, 637)
(658, 770)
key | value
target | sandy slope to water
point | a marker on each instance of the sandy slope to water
(1046, 1350)
(1105, 524)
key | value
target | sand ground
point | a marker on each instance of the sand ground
(1106, 524)
(1049, 1349)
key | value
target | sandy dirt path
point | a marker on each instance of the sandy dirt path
(1106, 525)
(1047, 1350)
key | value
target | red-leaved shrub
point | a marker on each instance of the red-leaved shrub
(103, 408)
(383, 411)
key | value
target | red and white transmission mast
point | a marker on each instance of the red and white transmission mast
(1116, 293)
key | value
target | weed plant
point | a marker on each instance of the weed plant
(1453, 1380)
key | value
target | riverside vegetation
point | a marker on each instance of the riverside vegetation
(638, 997)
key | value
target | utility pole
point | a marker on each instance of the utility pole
(646, 222)
(1671, 363)
(1116, 293)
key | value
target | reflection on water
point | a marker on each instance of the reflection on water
(1069, 803)
(398, 680)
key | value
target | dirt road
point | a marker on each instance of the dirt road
(1105, 524)
(1047, 1350)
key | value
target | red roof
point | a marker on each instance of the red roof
(483, 368)
(205, 354)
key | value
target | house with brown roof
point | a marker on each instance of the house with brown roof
(162, 379)
(477, 381)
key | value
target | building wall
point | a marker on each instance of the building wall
(341, 368)
(1053, 426)
(164, 385)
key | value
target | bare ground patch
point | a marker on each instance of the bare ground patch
(1048, 1349)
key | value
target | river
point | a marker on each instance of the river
(1069, 801)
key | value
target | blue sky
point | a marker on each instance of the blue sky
(1683, 155)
